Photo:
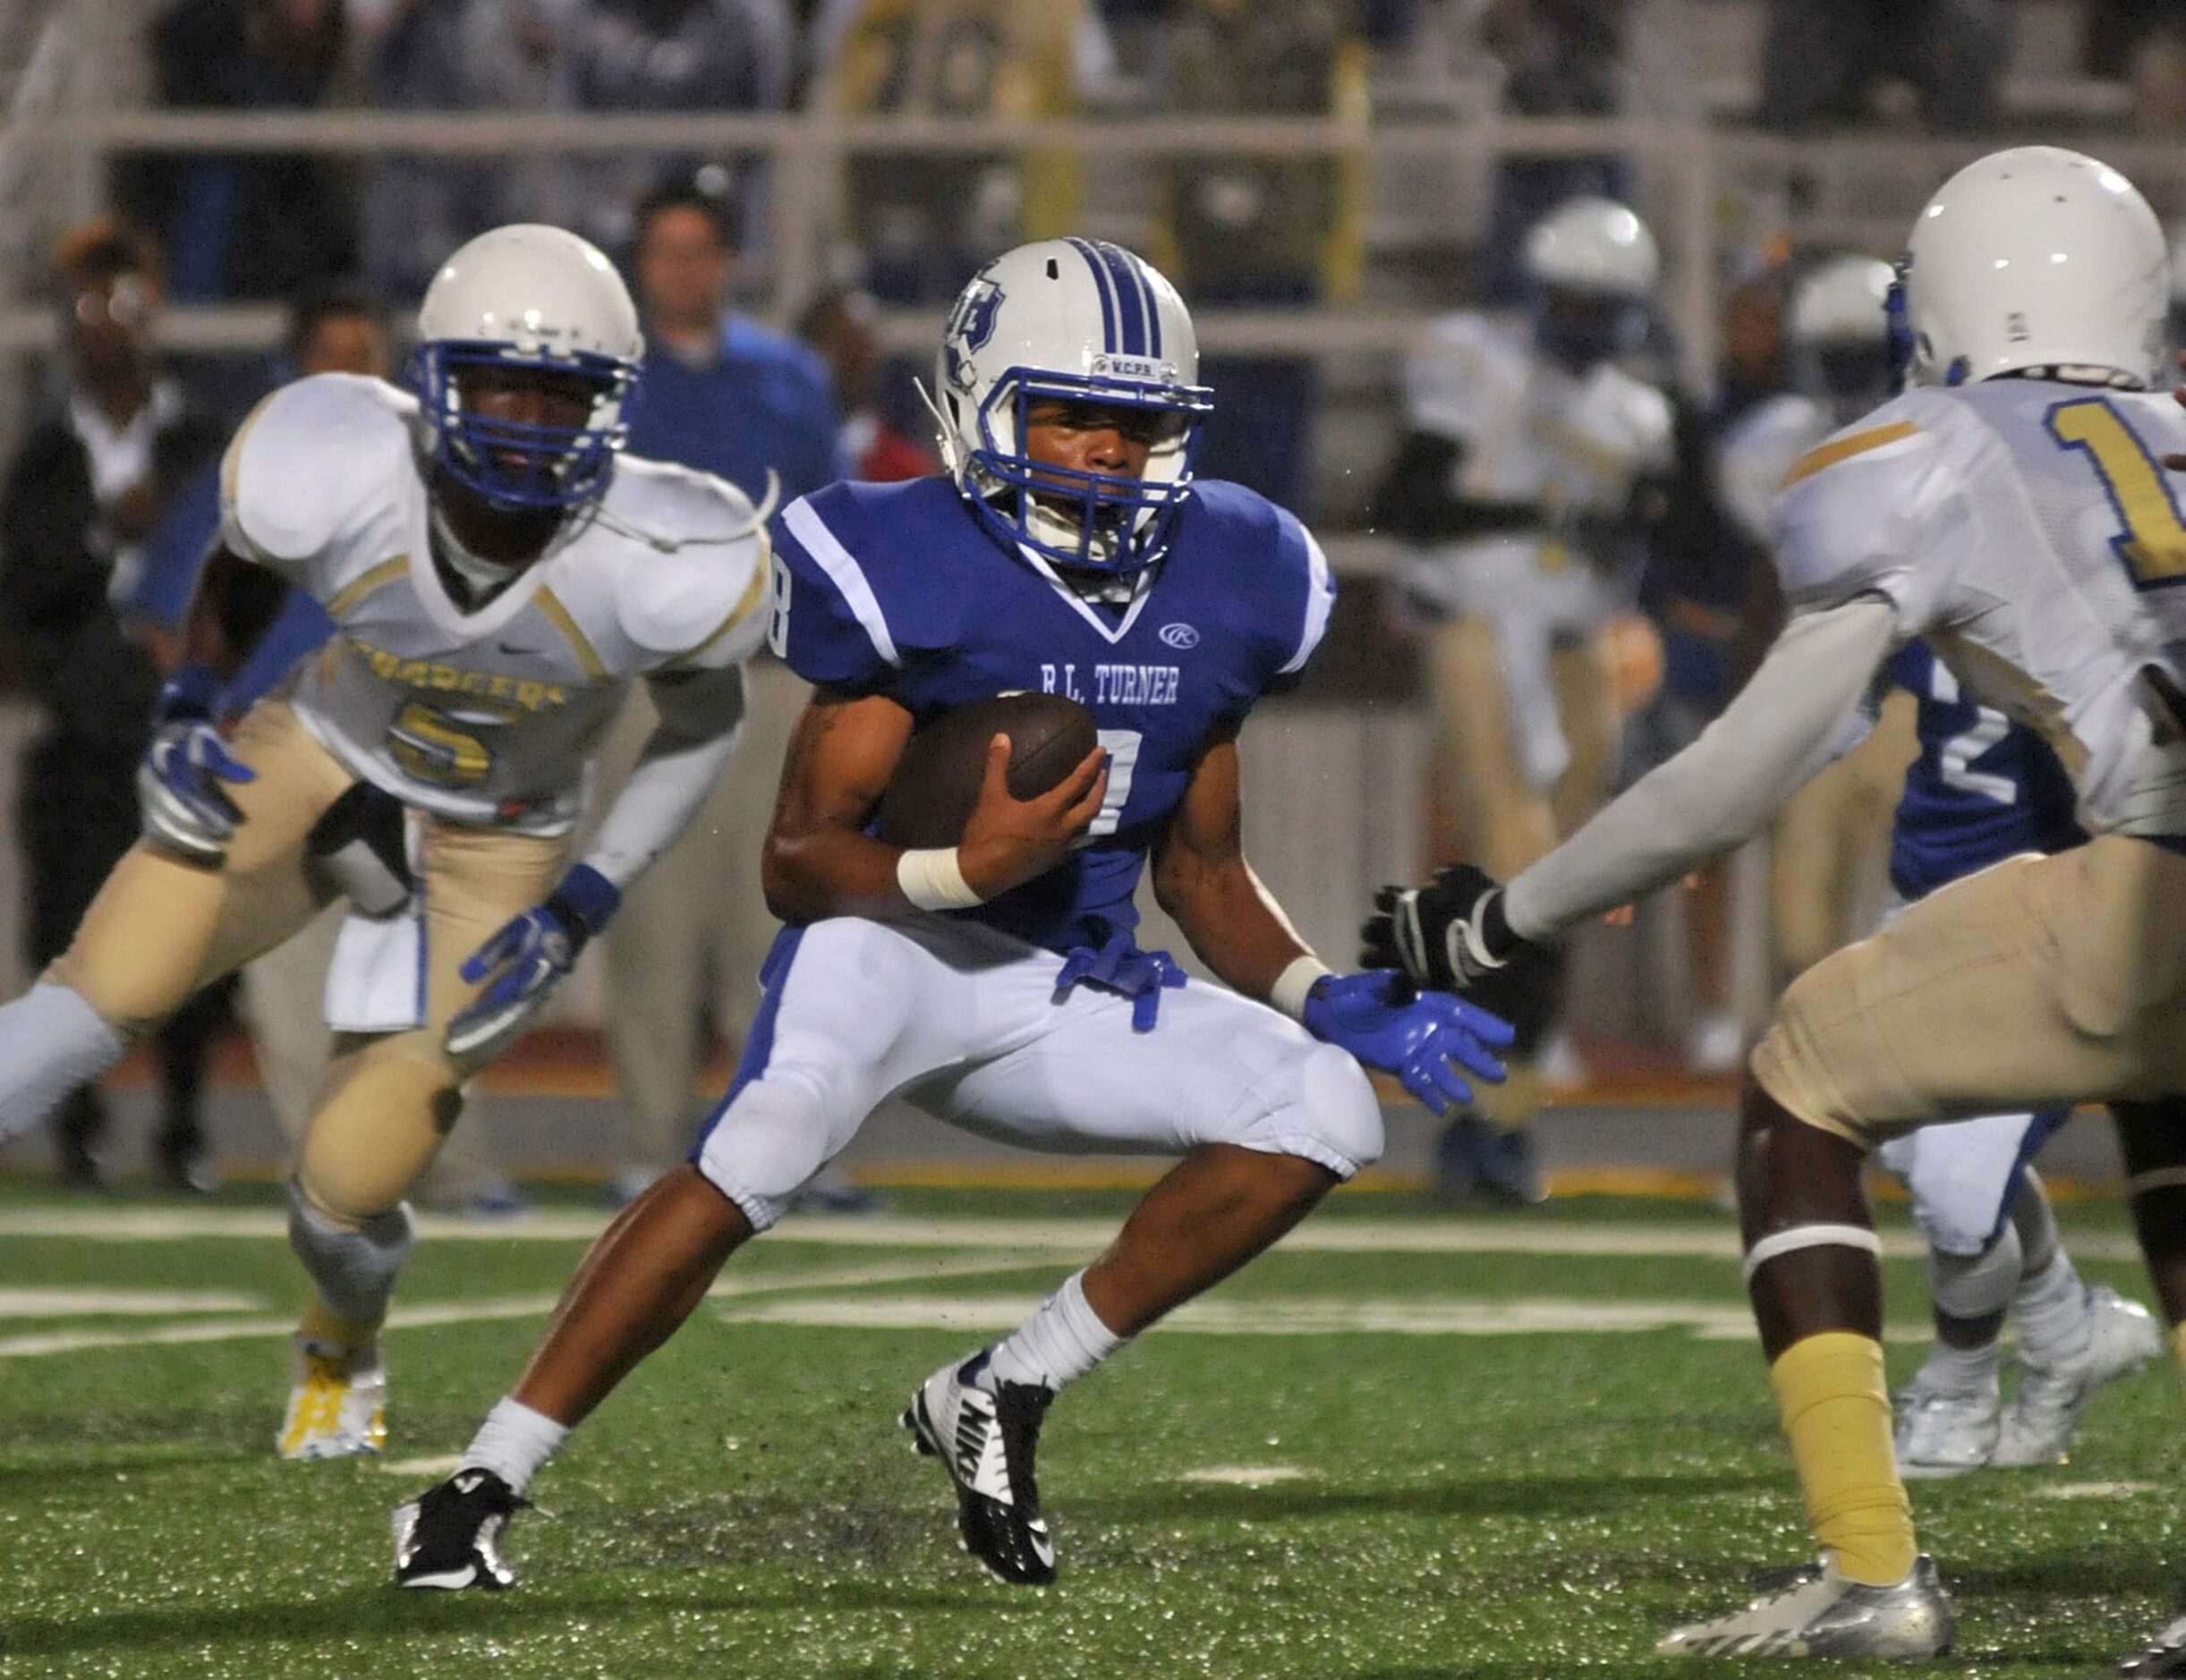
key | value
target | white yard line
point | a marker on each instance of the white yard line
(1047, 1236)
(1290, 1315)
(440, 1314)
(84, 1303)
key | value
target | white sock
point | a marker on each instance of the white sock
(2051, 1308)
(1058, 1344)
(514, 1442)
(51, 1041)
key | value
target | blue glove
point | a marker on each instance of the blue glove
(179, 790)
(1120, 966)
(1382, 1020)
(526, 961)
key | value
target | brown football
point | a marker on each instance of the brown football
(936, 784)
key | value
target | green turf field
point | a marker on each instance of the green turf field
(1401, 1445)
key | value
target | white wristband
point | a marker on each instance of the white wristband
(1288, 992)
(930, 879)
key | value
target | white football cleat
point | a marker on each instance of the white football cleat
(1946, 1434)
(338, 1408)
(2044, 1415)
(2165, 1654)
(986, 1441)
(1821, 1614)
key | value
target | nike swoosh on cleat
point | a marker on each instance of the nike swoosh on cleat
(469, 1483)
(1044, 1546)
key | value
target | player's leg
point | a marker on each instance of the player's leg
(852, 1009)
(1268, 1119)
(389, 1100)
(2079, 991)
(1967, 1179)
(2074, 1337)
(2151, 1141)
(1500, 748)
(159, 929)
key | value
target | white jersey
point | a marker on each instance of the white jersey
(491, 716)
(1756, 452)
(1532, 434)
(2026, 529)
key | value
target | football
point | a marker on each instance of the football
(936, 784)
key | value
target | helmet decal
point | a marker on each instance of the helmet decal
(971, 324)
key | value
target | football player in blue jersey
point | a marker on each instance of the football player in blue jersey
(995, 983)
(1984, 789)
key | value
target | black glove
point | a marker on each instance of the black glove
(1451, 936)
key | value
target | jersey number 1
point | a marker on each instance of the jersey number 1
(2153, 545)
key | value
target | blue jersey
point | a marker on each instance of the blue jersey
(898, 589)
(1982, 789)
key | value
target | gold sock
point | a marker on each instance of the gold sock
(319, 1325)
(1836, 1412)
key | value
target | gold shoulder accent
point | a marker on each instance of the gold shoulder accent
(385, 573)
(1844, 448)
(231, 461)
(564, 621)
(754, 593)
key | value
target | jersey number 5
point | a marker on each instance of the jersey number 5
(2153, 544)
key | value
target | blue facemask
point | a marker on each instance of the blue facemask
(547, 466)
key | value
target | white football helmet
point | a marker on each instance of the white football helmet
(535, 297)
(1840, 334)
(2035, 257)
(1076, 320)
(1593, 245)
(1590, 267)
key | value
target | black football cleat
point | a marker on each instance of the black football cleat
(448, 1537)
(986, 1441)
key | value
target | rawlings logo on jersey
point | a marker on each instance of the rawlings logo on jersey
(970, 325)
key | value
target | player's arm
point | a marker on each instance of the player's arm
(1202, 879)
(233, 609)
(819, 862)
(1805, 706)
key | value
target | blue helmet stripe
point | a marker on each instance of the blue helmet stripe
(1154, 311)
(1130, 297)
(1101, 284)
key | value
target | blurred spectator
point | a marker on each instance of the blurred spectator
(724, 395)
(2142, 42)
(1558, 58)
(453, 55)
(256, 225)
(1820, 64)
(721, 393)
(885, 422)
(658, 56)
(88, 484)
(925, 223)
(1252, 232)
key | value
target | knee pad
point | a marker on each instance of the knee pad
(1326, 1112)
(52, 1042)
(352, 1266)
(765, 1142)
